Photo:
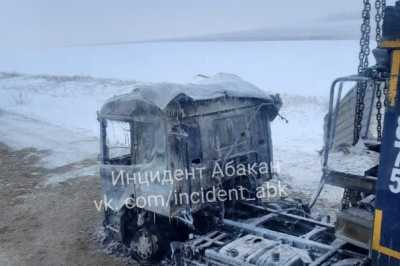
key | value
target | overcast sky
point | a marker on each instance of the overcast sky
(54, 23)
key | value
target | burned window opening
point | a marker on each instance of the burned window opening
(132, 143)
(117, 137)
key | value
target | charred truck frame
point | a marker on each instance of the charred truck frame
(171, 129)
(176, 142)
(220, 121)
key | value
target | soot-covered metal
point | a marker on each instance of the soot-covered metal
(182, 167)
(166, 140)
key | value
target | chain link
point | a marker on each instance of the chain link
(363, 65)
(385, 93)
(380, 9)
(365, 36)
(350, 198)
(385, 88)
(359, 110)
(378, 110)
(380, 6)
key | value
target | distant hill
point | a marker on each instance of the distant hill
(332, 30)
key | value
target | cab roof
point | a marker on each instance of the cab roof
(152, 99)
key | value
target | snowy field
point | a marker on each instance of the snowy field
(295, 67)
(57, 113)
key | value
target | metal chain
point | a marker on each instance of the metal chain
(365, 36)
(345, 199)
(385, 93)
(380, 6)
(362, 86)
(383, 8)
(349, 195)
(363, 65)
(378, 112)
(350, 198)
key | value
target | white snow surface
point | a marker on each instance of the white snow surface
(58, 114)
(55, 114)
(293, 67)
(63, 146)
(356, 160)
(202, 88)
(297, 145)
(69, 102)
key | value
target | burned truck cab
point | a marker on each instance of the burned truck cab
(168, 149)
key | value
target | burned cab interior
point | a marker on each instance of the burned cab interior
(131, 142)
(170, 127)
(221, 121)
(129, 139)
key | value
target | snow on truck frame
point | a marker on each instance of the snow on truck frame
(166, 129)
(165, 140)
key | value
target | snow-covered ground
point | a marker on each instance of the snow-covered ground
(295, 67)
(298, 142)
(58, 113)
(57, 116)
